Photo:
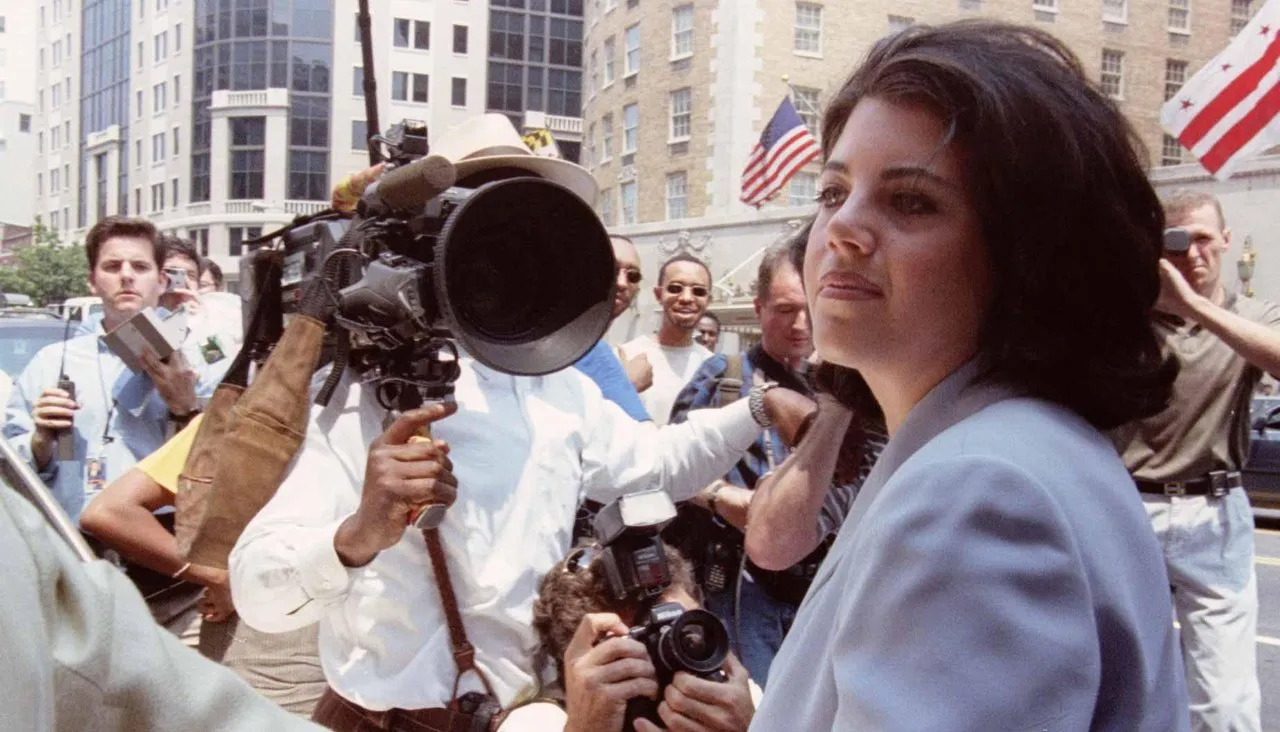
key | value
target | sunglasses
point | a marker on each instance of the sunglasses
(581, 558)
(633, 275)
(675, 288)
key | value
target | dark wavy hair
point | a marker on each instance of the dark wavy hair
(1072, 225)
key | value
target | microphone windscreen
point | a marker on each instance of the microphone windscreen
(409, 187)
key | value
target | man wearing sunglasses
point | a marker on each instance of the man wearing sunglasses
(620, 381)
(683, 291)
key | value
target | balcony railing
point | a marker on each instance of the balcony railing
(239, 207)
(305, 208)
(199, 209)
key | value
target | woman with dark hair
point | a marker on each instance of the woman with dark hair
(986, 255)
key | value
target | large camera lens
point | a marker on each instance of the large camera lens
(524, 274)
(696, 642)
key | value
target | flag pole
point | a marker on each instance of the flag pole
(786, 79)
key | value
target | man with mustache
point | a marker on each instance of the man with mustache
(683, 291)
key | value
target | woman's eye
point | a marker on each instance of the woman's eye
(912, 203)
(830, 197)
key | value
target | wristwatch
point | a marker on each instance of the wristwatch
(755, 401)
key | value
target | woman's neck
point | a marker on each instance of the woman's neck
(899, 388)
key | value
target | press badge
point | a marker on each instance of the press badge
(95, 475)
(212, 351)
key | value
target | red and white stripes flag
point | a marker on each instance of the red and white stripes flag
(1228, 111)
(785, 146)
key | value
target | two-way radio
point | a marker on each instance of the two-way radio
(66, 436)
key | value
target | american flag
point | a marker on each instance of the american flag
(785, 146)
(1228, 111)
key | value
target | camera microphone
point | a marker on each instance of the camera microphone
(410, 186)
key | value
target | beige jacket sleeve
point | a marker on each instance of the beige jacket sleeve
(81, 651)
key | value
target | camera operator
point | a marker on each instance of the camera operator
(583, 629)
(517, 454)
(1186, 461)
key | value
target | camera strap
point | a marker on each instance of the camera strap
(464, 654)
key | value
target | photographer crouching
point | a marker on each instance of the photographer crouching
(621, 621)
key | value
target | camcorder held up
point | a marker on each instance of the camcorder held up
(1177, 241)
(513, 269)
(634, 560)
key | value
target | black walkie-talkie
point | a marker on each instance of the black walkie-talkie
(66, 437)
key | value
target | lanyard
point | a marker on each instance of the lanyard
(107, 437)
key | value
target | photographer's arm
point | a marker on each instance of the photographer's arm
(782, 526)
(1257, 343)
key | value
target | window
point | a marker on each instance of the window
(177, 90)
(141, 55)
(606, 206)
(899, 23)
(138, 102)
(237, 235)
(40, 142)
(1170, 151)
(565, 37)
(677, 196)
(421, 87)
(507, 35)
(157, 148)
(42, 59)
(2, 24)
(1115, 11)
(137, 153)
(607, 149)
(248, 137)
(176, 136)
(357, 26)
(589, 152)
(200, 237)
(1179, 16)
(422, 35)
(57, 96)
(24, 123)
(628, 191)
(400, 86)
(458, 97)
(1113, 73)
(55, 138)
(808, 34)
(401, 32)
(681, 31)
(157, 197)
(173, 184)
(681, 114)
(359, 135)
(40, 184)
(803, 189)
(177, 37)
(1175, 75)
(160, 46)
(357, 81)
(66, 131)
(1241, 11)
(55, 180)
(807, 106)
(158, 98)
(630, 128)
(610, 53)
(309, 175)
(460, 39)
(633, 50)
(1050, 6)
(57, 53)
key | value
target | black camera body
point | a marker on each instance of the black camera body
(1177, 240)
(635, 563)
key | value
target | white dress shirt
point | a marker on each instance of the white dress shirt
(997, 572)
(525, 452)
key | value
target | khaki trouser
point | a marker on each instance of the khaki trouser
(1208, 549)
(284, 667)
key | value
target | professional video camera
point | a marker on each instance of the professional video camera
(515, 269)
(635, 564)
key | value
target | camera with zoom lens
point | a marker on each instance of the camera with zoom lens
(635, 563)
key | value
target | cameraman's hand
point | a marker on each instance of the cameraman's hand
(1177, 297)
(599, 678)
(399, 478)
(693, 704)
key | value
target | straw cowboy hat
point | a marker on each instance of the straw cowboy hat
(491, 141)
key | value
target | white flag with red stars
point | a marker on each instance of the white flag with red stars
(1228, 111)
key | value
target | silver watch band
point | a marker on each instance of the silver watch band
(755, 400)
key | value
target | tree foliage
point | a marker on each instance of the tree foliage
(47, 270)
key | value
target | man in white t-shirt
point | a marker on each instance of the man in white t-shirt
(684, 291)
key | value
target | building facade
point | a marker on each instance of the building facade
(58, 76)
(17, 108)
(678, 91)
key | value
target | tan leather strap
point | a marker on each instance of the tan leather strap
(464, 654)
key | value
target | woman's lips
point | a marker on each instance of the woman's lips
(848, 286)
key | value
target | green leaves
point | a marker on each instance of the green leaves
(47, 270)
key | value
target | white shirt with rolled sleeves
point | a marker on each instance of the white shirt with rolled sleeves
(526, 451)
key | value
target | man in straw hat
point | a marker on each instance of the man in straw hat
(513, 456)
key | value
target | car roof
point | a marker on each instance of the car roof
(50, 324)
